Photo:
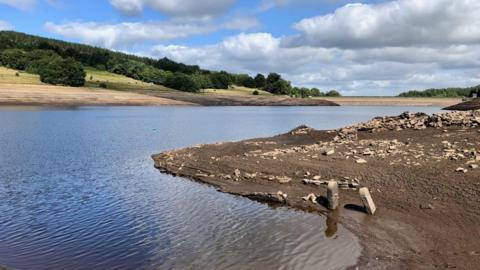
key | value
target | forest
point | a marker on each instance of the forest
(63, 63)
(443, 92)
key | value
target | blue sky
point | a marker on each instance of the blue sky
(372, 47)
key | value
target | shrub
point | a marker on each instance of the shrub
(103, 85)
(255, 93)
(63, 72)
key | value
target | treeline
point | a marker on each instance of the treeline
(443, 92)
(60, 62)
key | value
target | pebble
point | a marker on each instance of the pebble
(361, 161)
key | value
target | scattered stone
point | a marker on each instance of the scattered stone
(361, 161)
(283, 179)
(328, 152)
(310, 197)
(426, 206)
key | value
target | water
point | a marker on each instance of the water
(78, 191)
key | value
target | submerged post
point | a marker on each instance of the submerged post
(332, 195)
(367, 201)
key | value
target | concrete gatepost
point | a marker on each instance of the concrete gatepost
(332, 195)
(367, 201)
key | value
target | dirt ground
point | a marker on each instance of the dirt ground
(425, 182)
(15, 94)
(238, 100)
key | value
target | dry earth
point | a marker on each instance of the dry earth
(394, 101)
(422, 172)
(15, 94)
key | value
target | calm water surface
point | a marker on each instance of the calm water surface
(78, 191)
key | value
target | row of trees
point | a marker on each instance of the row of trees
(59, 62)
(443, 92)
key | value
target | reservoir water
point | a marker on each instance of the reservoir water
(78, 190)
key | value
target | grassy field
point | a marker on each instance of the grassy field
(93, 80)
(12, 76)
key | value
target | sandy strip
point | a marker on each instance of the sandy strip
(393, 101)
(15, 94)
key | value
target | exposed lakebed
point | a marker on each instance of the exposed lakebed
(78, 190)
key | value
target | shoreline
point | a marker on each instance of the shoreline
(47, 95)
(428, 212)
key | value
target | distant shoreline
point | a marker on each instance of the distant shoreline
(47, 95)
(394, 101)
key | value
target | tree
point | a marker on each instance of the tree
(63, 72)
(182, 82)
(260, 81)
(245, 80)
(14, 58)
(333, 93)
(280, 87)
(273, 78)
(220, 80)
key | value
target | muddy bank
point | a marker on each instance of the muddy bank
(422, 172)
(221, 100)
(465, 106)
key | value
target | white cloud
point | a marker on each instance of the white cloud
(205, 9)
(397, 23)
(5, 26)
(124, 34)
(121, 35)
(381, 71)
(269, 4)
(20, 4)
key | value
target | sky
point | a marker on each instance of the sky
(371, 47)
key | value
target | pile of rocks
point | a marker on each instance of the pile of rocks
(407, 120)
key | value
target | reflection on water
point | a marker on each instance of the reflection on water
(78, 190)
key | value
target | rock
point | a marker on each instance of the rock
(250, 175)
(332, 195)
(426, 206)
(328, 152)
(473, 166)
(317, 177)
(310, 197)
(361, 161)
(367, 201)
(237, 173)
(284, 179)
(462, 170)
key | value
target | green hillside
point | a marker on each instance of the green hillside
(65, 63)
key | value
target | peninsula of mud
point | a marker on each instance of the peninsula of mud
(422, 172)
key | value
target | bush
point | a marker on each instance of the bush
(103, 85)
(255, 93)
(63, 72)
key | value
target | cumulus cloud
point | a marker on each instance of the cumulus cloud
(122, 35)
(5, 26)
(370, 71)
(206, 9)
(20, 4)
(397, 23)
